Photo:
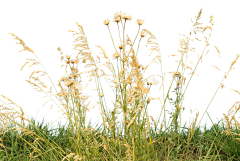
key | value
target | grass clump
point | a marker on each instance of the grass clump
(139, 140)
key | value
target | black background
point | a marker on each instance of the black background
(45, 31)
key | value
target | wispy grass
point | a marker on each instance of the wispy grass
(134, 138)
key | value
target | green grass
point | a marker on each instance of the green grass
(141, 140)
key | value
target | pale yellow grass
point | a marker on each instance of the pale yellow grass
(133, 96)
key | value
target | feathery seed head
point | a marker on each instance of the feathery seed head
(117, 16)
(106, 22)
(120, 15)
(142, 34)
(126, 16)
(152, 81)
(116, 54)
(117, 19)
(120, 45)
(68, 56)
(78, 86)
(75, 72)
(140, 21)
(135, 86)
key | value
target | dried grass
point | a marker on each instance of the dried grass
(130, 100)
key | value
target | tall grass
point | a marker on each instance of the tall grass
(139, 141)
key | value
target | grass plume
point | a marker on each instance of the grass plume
(139, 140)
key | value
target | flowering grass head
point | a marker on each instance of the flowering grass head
(134, 139)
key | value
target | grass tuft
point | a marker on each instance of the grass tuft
(138, 136)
